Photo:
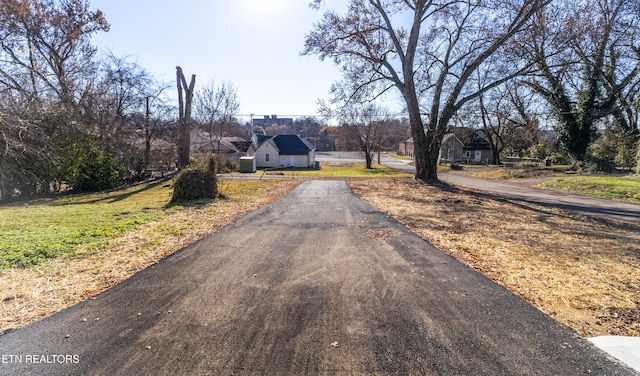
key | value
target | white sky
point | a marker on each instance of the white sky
(255, 44)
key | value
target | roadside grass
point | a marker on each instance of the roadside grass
(344, 170)
(400, 157)
(28, 294)
(625, 188)
(80, 225)
(33, 231)
(507, 172)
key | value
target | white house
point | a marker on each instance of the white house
(284, 151)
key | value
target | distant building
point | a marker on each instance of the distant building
(284, 151)
(466, 145)
(231, 147)
(271, 120)
(406, 148)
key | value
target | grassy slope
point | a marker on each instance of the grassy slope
(84, 224)
(625, 188)
(33, 231)
(620, 188)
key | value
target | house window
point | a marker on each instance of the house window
(467, 154)
(266, 157)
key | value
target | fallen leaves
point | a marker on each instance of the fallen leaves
(566, 265)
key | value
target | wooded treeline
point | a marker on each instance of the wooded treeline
(68, 116)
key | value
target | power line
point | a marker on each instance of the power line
(283, 115)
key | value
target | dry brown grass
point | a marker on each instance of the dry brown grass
(581, 271)
(31, 294)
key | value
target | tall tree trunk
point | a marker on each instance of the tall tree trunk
(184, 120)
(421, 144)
(421, 152)
(368, 156)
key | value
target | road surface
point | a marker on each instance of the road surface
(316, 283)
(614, 209)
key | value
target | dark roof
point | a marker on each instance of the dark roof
(480, 145)
(242, 145)
(262, 138)
(291, 145)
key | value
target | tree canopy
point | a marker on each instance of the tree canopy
(426, 50)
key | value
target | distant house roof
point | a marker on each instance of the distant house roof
(204, 142)
(289, 144)
(243, 146)
(262, 138)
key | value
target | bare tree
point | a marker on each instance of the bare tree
(364, 127)
(429, 60)
(46, 47)
(156, 112)
(184, 118)
(26, 155)
(506, 120)
(216, 107)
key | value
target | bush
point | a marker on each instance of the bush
(88, 168)
(196, 183)
(560, 158)
(223, 164)
(593, 165)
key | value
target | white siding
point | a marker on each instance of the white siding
(264, 150)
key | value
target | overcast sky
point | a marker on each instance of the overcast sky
(255, 44)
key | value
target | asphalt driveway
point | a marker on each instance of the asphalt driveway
(316, 283)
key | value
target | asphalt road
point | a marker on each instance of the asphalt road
(316, 283)
(618, 210)
(614, 209)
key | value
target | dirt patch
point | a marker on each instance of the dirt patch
(581, 271)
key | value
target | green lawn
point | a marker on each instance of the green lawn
(33, 231)
(615, 187)
(353, 170)
(347, 170)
